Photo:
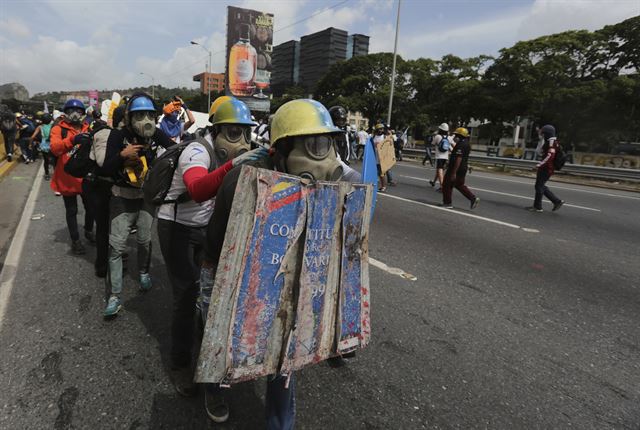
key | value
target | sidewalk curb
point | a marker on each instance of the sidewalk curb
(6, 167)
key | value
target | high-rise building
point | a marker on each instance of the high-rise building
(318, 52)
(304, 63)
(285, 67)
(210, 81)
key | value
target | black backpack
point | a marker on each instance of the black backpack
(80, 163)
(561, 157)
(158, 181)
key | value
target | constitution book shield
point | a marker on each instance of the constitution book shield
(292, 286)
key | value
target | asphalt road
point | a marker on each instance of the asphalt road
(517, 320)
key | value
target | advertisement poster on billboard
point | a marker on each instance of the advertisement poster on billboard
(249, 51)
(93, 98)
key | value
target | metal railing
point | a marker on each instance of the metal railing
(569, 169)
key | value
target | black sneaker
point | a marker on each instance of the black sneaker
(558, 205)
(217, 409)
(183, 381)
(91, 238)
(133, 230)
(47, 177)
(432, 183)
(77, 248)
(9, 158)
(474, 203)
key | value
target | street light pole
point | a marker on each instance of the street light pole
(153, 84)
(207, 74)
(393, 69)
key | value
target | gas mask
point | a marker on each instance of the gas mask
(231, 141)
(75, 116)
(314, 158)
(143, 123)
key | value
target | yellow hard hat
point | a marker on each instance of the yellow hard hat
(301, 117)
(216, 103)
(232, 111)
(379, 126)
(461, 131)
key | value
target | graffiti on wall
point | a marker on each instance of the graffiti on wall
(607, 160)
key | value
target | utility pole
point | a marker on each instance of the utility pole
(393, 69)
(208, 73)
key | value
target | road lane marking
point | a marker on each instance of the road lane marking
(555, 185)
(12, 261)
(392, 270)
(510, 195)
(440, 208)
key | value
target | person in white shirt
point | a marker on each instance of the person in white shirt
(442, 150)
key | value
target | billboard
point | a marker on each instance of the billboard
(93, 98)
(249, 50)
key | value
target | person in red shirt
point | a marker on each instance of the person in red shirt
(62, 141)
(545, 169)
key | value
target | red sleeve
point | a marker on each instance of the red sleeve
(59, 145)
(202, 185)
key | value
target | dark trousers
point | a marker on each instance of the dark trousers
(542, 177)
(98, 195)
(25, 148)
(71, 209)
(182, 248)
(48, 160)
(9, 140)
(447, 187)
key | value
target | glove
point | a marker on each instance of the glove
(82, 138)
(250, 156)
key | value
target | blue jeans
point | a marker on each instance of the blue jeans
(280, 401)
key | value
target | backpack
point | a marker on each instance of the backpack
(158, 181)
(80, 163)
(561, 157)
(444, 144)
(30, 127)
(45, 133)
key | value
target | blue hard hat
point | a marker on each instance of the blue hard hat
(142, 102)
(73, 104)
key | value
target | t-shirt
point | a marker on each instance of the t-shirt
(189, 213)
(363, 136)
(462, 149)
(436, 143)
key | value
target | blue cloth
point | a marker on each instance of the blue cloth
(171, 125)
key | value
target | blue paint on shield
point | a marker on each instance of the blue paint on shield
(370, 171)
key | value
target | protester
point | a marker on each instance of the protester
(43, 133)
(548, 149)
(377, 138)
(457, 170)
(172, 124)
(9, 129)
(26, 127)
(339, 118)
(363, 137)
(62, 137)
(128, 154)
(442, 146)
(390, 133)
(428, 142)
(182, 227)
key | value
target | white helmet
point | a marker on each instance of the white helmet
(444, 127)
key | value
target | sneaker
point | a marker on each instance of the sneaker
(91, 238)
(558, 205)
(183, 382)
(47, 177)
(433, 183)
(78, 248)
(382, 190)
(9, 158)
(101, 272)
(113, 306)
(57, 193)
(533, 209)
(133, 230)
(217, 409)
(474, 203)
(145, 281)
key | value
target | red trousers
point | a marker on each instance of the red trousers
(447, 187)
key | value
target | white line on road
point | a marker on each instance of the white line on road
(10, 267)
(440, 208)
(392, 270)
(510, 195)
(555, 185)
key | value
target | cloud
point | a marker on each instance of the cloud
(15, 27)
(61, 64)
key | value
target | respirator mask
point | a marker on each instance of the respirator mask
(231, 141)
(314, 158)
(143, 123)
(75, 116)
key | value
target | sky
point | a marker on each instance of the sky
(67, 45)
